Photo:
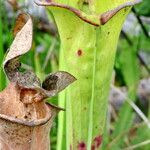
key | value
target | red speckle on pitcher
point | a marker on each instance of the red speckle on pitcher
(82, 146)
(79, 52)
(96, 142)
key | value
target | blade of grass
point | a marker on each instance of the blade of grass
(137, 145)
(2, 77)
(38, 68)
(49, 53)
(116, 139)
(134, 106)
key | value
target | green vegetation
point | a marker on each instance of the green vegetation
(88, 52)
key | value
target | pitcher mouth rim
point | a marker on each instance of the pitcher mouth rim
(34, 122)
(97, 19)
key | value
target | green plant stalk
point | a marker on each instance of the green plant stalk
(87, 52)
(2, 76)
(38, 68)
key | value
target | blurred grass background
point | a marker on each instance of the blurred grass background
(125, 129)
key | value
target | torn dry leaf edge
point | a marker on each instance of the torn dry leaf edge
(22, 43)
(97, 19)
(25, 117)
(23, 100)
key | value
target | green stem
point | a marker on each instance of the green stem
(90, 132)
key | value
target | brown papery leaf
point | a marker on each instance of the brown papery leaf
(21, 45)
(21, 20)
(25, 118)
(23, 39)
(56, 82)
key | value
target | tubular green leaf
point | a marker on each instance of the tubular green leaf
(87, 52)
